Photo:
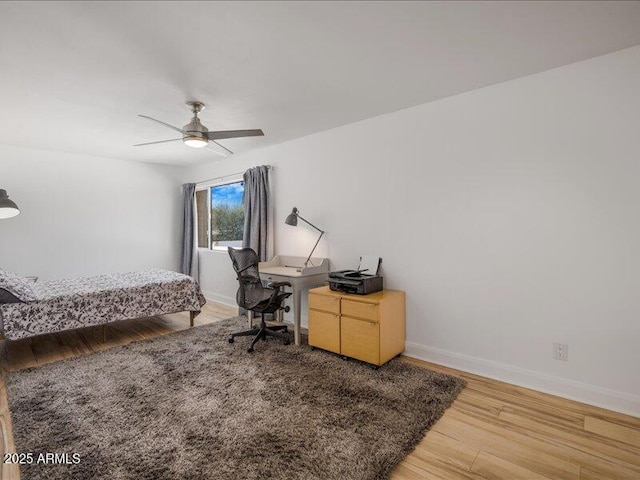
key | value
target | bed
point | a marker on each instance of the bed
(36, 308)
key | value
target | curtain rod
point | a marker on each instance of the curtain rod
(222, 177)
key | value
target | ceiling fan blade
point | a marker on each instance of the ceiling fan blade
(220, 145)
(217, 152)
(162, 123)
(234, 134)
(161, 141)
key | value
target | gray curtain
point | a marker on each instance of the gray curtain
(257, 211)
(188, 260)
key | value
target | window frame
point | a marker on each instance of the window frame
(207, 187)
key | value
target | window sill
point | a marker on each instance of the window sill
(212, 250)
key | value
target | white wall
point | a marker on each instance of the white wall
(217, 278)
(509, 215)
(84, 215)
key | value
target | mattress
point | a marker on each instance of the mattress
(82, 302)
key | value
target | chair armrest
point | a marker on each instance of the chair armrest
(278, 284)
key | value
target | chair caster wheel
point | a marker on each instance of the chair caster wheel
(250, 349)
(231, 340)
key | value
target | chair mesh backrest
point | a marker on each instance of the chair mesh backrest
(245, 263)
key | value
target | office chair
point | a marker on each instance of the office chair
(252, 295)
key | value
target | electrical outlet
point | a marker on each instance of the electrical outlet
(561, 351)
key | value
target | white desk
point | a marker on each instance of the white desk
(291, 269)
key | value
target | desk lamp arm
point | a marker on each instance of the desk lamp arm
(309, 223)
(306, 262)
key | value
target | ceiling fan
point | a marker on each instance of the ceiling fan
(196, 135)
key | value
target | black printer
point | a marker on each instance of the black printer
(360, 281)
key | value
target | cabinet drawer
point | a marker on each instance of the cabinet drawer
(324, 330)
(368, 311)
(360, 339)
(326, 303)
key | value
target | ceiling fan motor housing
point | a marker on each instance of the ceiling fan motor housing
(194, 130)
(195, 133)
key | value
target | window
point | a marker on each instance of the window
(220, 215)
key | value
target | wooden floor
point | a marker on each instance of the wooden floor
(493, 430)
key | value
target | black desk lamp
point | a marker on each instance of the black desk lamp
(8, 208)
(292, 219)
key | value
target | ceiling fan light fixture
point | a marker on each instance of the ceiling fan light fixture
(195, 142)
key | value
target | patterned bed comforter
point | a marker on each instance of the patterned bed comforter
(82, 302)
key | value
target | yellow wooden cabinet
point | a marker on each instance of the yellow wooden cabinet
(370, 328)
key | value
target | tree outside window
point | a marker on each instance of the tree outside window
(225, 223)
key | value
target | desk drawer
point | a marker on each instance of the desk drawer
(360, 339)
(327, 303)
(324, 330)
(368, 311)
(268, 277)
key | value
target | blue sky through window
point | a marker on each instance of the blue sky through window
(230, 194)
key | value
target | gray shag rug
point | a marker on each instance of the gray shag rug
(190, 405)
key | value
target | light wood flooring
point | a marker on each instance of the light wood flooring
(493, 430)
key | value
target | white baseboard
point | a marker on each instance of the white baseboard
(582, 392)
(214, 297)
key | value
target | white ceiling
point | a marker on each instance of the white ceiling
(74, 75)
